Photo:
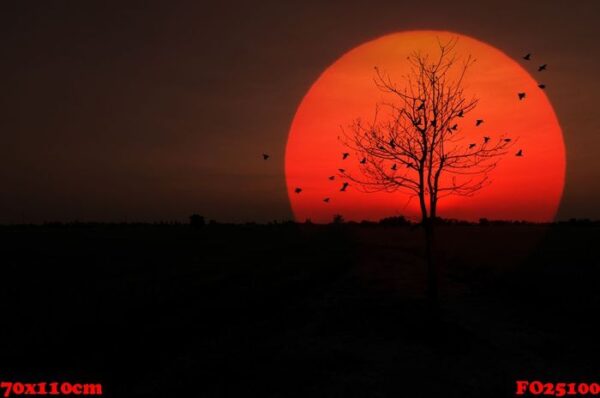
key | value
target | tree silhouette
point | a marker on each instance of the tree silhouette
(414, 143)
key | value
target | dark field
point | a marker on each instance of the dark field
(298, 310)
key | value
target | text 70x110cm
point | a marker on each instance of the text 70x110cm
(9, 388)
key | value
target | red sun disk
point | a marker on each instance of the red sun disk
(524, 188)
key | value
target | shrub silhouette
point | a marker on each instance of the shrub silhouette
(197, 221)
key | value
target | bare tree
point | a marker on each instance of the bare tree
(414, 143)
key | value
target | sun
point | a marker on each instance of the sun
(527, 187)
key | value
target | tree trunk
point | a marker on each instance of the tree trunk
(428, 221)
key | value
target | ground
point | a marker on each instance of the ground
(291, 310)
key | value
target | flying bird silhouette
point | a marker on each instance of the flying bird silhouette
(507, 140)
(326, 200)
(345, 155)
(344, 186)
(471, 146)
(521, 96)
(265, 156)
(519, 153)
(331, 178)
(542, 67)
(455, 127)
(486, 139)
(461, 113)
(478, 122)
(394, 167)
(342, 170)
(527, 57)
(363, 161)
(542, 86)
(298, 190)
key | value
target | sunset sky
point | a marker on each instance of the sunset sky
(157, 110)
(525, 187)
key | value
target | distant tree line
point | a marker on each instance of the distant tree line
(198, 221)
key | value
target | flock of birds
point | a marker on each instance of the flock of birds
(478, 122)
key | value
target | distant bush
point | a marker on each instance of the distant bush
(367, 223)
(395, 221)
(451, 221)
(338, 219)
(197, 221)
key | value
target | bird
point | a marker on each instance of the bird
(345, 155)
(394, 167)
(341, 171)
(455, 127)
(478, 122)
(486, 139)
(471, 146)
(344, 186)
(392, 143)
(265, 156)
(461, 114)
(363, 161)
(422, 106)
(507, 140)
(542, 67)
(542, 86)
(527, 57)
(519, 153)
(521, 96)
(298, 190)
(434, 123)
(326, 200)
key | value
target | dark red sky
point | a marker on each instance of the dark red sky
(155, 111)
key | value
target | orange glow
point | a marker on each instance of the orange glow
(524, 188)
